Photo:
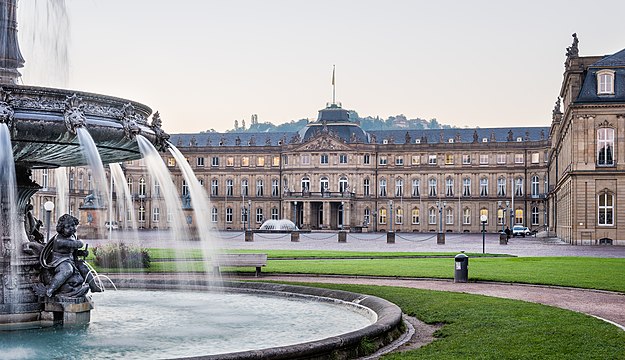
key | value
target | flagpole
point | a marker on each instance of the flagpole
(333, 85)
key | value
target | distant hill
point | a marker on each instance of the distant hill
(397, 122)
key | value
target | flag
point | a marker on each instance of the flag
(333, 68)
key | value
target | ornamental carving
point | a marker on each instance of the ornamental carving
(74, 115)
(162, 138)
(129, 122)
(6, 110)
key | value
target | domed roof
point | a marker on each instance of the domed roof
(336, 120)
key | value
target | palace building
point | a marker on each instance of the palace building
(333, 175)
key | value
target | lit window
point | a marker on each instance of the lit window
(416, 160)
(484, 212)
(230, 161)
(518, 216)
(605, 146)
(535, 158)
(605, 82)
(245, 161)
(382, 216)
(171, 162)
(449, 159)
(260, 161)
(415, 216)
(275, 161)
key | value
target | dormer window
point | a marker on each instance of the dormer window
(605, 82)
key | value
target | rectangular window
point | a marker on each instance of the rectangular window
(415, 216)
(156, 214)
(466, 216)
(382, 216)
(259, 215)
(285, 159)
(432, 188)
(399, 216)
(366, 187)
(466, 159)
(432, 216)
(415, 160)
(343, 158)
(484, 187)
(275, 161)
(214, 215)
(229, 187)
(244, 187)
(519, 159)
(535, 158)
(399, 160)
(383, 160)
(171, 162)
(535, 216)
(449, 159)
(382, 187)
(483, 159)
(323, 159)
(200, 161)
(432, 159)
(416, 191)
(466, 187)
(245, 161)
(606, 82)
(275, 188)
(230, 161)
(449, 187)
(501, 158)
(449, 216)
(260, 161)
(366, 159)
(274, 213)
(305, 159)
(229, 215)
(214, 187)
(215, 161)
(605, 147)
(259, 187)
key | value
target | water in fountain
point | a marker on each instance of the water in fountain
(62, 191)
(201, 207)
(279, 225)
(100, 188)
(124, 207)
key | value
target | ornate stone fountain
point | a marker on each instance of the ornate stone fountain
(42, 123)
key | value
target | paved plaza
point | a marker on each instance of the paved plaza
(412, 242)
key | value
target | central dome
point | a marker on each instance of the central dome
(336, 120)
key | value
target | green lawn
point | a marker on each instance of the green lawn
(481, 327)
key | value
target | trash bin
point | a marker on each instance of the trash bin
(461, 273)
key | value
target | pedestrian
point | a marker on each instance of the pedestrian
(507, 231)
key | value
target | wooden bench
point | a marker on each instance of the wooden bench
(239, 260)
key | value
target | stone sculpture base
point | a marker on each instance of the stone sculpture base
(66, 311)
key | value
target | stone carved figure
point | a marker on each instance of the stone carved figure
(74, 114)
(6, 111)
(573, 50)
(32, 225)
(556, 108)
(475, 136)
(162, 138)
(510, 135)
(129, 121)
(64, 273)
(407, 138)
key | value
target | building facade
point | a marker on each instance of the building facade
(334, 175)
(587, 159)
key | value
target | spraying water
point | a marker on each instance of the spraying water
(201, 206)
(62, 190)
(124, 207)
(100, 189)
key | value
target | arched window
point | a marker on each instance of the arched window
(366, 187)
(382, 214)
(416, 191)
(605, 82)
(466, 187)
(399, 187)
(432, 216)
(466, 216)
(244, 187)
(605, 147)
(449, 187)
(501, 186)
(534, 188)
(518, 216)
(343, 184)
(324, 184)
(129, 182)
(259, 187)
(382, 187)
(484, 211)
(449, 216)
(606, 209)
(518, 186)
(484, 187)
(432, 187)
(399, 216)
(214, 187)
(141, 187)
(185, 187)
(275, 187)
(367, 217)
(500, 216)
(214, 214)
(305, 184)
(415, 216)
(229, 187)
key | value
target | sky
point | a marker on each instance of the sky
(205, 63)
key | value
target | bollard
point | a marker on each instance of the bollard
(461, 272)
(390, 237)
(342, 236)
(440, 238)
(249, 235)
(294, 236)
(503, 238)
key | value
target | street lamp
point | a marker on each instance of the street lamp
(440, 239)
(249, 213)
(483, 220)
(48, 206)
(295, 212)
(390, 204)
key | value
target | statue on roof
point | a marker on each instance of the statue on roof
(556, 108)
(573, 50)
(193, 141)
(268, 141)
(408, 138)
(237, 141)
(475, 136)
(542, 134)
(252, 141)
(510, 135)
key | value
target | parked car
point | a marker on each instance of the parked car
(111, 225)
(520, 230)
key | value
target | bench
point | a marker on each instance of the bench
(239, 260)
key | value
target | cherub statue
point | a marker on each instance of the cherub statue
(64, 273)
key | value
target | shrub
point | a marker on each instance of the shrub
(120, 255)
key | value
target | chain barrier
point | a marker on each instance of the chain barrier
(316, 238)
(415, 240)
(271, 237)
(231, 237)
(367, 238)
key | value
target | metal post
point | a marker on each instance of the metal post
(249, 209)
(48, 206)
(483, 238)
(391, 217)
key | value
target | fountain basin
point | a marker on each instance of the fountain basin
(42, 138)
(382, 322)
